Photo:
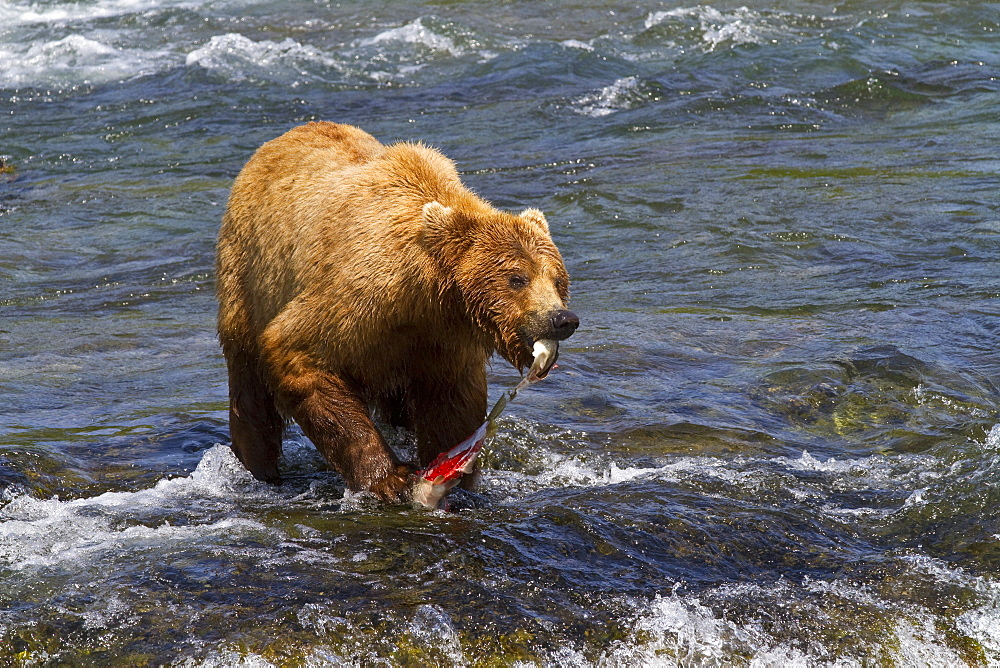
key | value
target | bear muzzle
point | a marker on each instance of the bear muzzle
(555, 325)
(563, 323)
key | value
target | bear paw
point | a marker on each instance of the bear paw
(395, 488)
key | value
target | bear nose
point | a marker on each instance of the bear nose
(564, 323)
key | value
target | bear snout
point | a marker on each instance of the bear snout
(563, 323)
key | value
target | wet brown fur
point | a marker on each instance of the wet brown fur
(354, 275)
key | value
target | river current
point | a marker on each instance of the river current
(774, 441)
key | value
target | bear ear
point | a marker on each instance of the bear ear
(537, 218)
(437, 215)
(443, 227)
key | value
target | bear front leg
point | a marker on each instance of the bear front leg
(255, 426)
(446, 412)
(335, 419)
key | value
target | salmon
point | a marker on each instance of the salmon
(435, 481)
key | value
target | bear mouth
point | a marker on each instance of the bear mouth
(521, 356)
(536, 355)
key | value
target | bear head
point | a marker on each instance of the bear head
(507, 271)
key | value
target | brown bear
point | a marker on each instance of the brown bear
(356, 277)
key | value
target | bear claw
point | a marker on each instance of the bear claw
(395, 487)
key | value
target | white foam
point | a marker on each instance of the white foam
(72, 60)
(740, 26)
(577, 472)
(993, 438)
(57, 45)
(809, 463)
(238, 56)
(71, 49)
(667, 630)
(917, 638)
(862, 471)
(623, 94)
(432, 626)
(916, 498)
(590, 470)
(227, 658)
(576, 44)
(47, 532)
(919, 641)
(914, 474)
(13, 13)
(110, 612)
(675, 630)
(559, 470)
(687, 627)
(982, 623)
(416, 32)
(922, 644)
(806, 478)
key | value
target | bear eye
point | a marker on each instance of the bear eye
(518, 281)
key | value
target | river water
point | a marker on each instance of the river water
(774, 441)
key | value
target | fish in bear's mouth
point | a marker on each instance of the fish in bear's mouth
(545, 353)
